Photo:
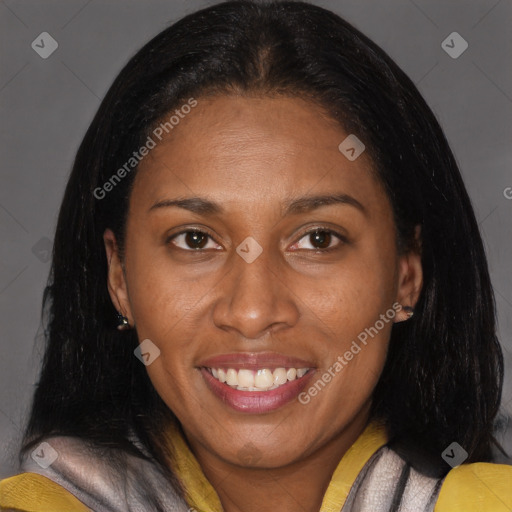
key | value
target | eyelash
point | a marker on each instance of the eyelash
(323, 229)
(317, 229)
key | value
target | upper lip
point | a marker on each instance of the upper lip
(255, 361)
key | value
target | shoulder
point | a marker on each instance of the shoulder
(478, 487)
(24, 491)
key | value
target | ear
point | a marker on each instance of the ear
(116, 279)
(410, 279)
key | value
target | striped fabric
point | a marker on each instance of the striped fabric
(129, 485)
(388, 483)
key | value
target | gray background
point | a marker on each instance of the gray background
(47, 104)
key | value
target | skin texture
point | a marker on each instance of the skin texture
(251, 156)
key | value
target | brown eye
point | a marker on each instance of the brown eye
(196, 239)
(320, 239)
(193, 240)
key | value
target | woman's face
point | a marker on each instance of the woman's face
(255, 250)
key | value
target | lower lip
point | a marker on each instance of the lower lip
(256, 402)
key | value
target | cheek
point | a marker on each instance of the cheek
(354, 294)
(164, 309)
(161, 296)
(348, 309)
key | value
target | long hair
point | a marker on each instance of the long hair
(443, 375)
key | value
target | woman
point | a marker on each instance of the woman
(305, 320)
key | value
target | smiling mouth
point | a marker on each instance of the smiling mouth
(264, 379)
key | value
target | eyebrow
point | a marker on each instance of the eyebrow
(295, 206)
(197, 205)
(309, 203)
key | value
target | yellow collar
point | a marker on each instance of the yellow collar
(202, 496)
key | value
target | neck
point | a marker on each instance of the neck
(300, 485)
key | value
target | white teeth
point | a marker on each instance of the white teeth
(245, 379)
(232, 377)
(259, 380)
(291, 374)
(280, 376)
(263, 379)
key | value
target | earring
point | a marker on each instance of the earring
(409, 311)
(122, 322)
(404, 314)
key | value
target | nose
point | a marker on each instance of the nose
(255, 298)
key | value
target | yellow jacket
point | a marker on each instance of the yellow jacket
(479, 487)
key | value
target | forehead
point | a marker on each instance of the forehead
(243, 149)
